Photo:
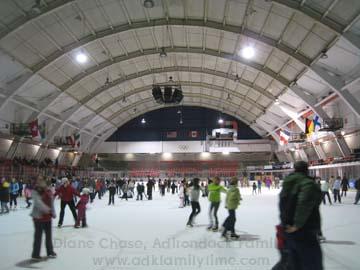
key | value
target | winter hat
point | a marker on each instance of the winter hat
(63, 180)
(85, 191)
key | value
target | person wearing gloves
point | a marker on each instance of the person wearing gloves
(214, 197)
(42, 213)
(81, 207)
(66, 192)
(233, 198)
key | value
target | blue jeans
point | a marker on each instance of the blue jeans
(304, 250)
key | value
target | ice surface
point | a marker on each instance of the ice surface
(152, 235)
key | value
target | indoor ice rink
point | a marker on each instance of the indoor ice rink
(171, 106)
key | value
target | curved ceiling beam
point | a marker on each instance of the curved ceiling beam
(184, 83)
(30, 17)
(227, 104)
(314, 14)
(105, 64)
(57, 128)
(65, 87)
(157, 22)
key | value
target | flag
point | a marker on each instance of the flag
(34, 127)
(309, 126)
(42, 130)
(76, 140)
(284, 137)
(317, 124)
(171, 134)
(193, 134)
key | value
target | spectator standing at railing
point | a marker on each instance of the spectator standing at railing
(14, 193)
(4, 196)
(344, 185)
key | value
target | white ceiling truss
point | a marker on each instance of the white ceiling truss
(122, 40)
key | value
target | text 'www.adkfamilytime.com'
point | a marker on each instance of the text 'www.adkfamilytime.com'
(177, 261)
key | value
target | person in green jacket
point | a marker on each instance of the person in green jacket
(300, 199)
(233, 198)
(214, 197)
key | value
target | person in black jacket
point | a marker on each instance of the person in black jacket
(344, 185)
(149, 186)
(140, 190)
(112, 192)
(300, 199)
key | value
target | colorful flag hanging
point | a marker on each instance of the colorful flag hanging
(284, 137)
(309, 126)
(317, 124)
(171, 134)
(194, 134)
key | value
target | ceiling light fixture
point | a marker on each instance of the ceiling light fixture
(81, 58)
(163, 53)
(149, 3)
(324, 54)
(237, 78)
(220, 121)
(226, 153)
(277, 102)
(343, 132)
(248, 52)
(143, 121)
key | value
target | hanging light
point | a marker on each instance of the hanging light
(220, 121)
(324, 54)
(149, 3)
(237, 78)
(277, 102)
(143, 121)
(248, 52)
(163, 52)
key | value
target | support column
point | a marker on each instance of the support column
(343, 146)
(303, 155)
(319, 151)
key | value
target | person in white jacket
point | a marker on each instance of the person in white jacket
(325, 185)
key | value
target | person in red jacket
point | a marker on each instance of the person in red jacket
(42, 213)
(81, 207)
(98, 187)
(66, 193)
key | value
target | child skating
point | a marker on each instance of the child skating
(81, 207)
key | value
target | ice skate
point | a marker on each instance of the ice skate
(215, 229)
(234, 236)
(52, 255)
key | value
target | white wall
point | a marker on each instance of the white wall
(4, 146)
(183, 147)
(26, 150)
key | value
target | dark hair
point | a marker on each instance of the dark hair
(301, 166)
(196, 183)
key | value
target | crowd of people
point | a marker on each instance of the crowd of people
(300, 219)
